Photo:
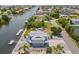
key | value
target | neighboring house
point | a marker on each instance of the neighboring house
(75, 21)
(63, 15)
(38, 38)
(50, 9)
(39, 12)
(76, 31)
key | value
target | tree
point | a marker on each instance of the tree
(3, 10)
(60, 48)
(59, 30)
(47, 17)
(63, 21)
(25, 49)
(56, 30)
(69, 28)
(55, 13)
(13, 12)
(5, 17)
(32, 18)
(34, 24)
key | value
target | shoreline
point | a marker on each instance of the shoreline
(17, 46)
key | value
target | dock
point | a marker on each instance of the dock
(19, 32)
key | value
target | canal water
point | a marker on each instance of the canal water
(8, 32)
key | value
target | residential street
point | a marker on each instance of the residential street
(68, 40)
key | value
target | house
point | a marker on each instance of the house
(39, 12)
(76, 31)
(75, 24)
(75, 21)
(38, 38)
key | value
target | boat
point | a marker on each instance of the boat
(19, 32)
(11, 42)
(26, 21)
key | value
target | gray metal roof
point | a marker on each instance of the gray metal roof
(37, 33)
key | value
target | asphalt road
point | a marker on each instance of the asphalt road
(69, 41)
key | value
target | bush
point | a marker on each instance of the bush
(49, 50)
(55, 14)
(63, 21)
(34, 24)
(56, 30)
(47, 18)
(4, 20)
(5, 17)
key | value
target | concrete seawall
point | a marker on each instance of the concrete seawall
(19, 44)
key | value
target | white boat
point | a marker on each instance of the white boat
(18, 33)
(26, 21)
(11, 42)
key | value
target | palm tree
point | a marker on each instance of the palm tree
(25, 46)
(61, 48)
(25, 49)
(58, 49)
(55, 49)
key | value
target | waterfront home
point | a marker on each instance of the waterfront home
(38, 38)
(39, 12)
(75, 21)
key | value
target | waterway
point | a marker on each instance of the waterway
(8, 32)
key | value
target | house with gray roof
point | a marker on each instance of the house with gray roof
(38, 39)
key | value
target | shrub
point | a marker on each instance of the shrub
(49, 50)
(56, 30)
